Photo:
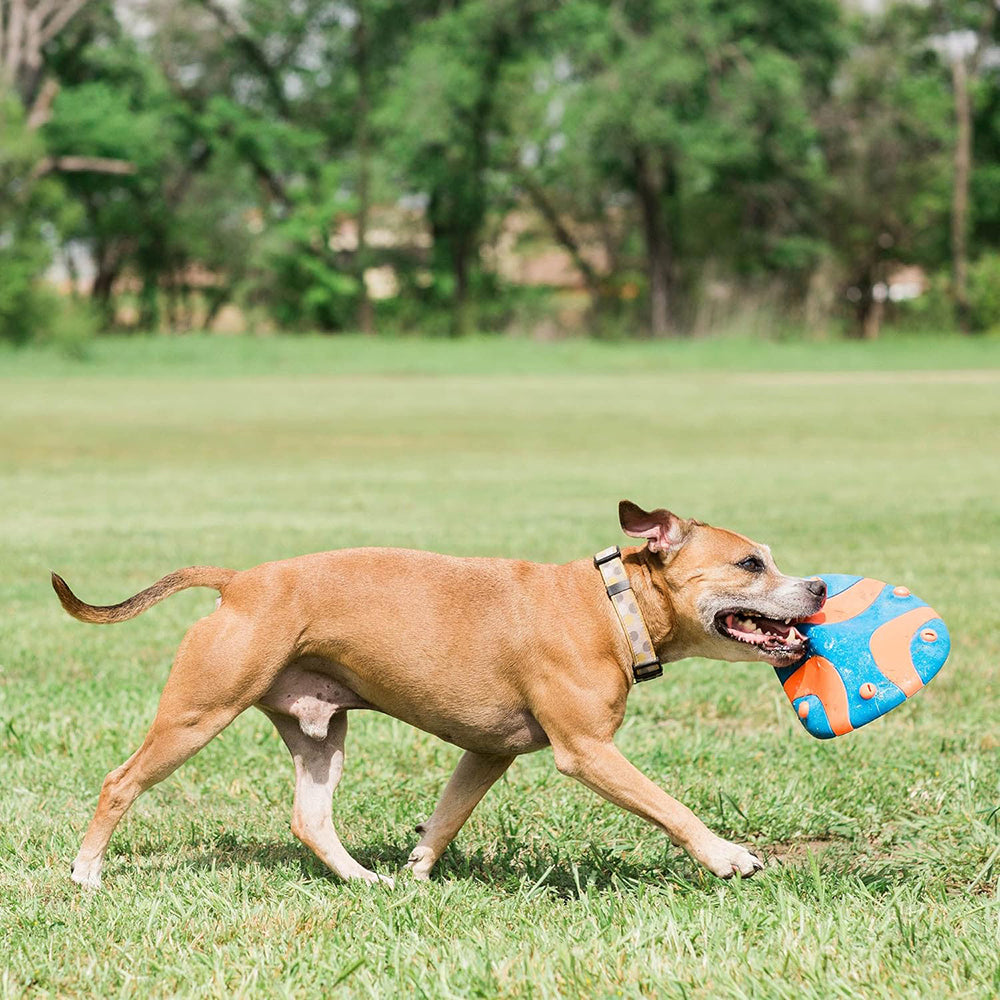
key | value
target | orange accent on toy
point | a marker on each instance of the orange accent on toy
(901, 591)
(867, 690)
(818, 676)
(848, 603)
(929, 635)
(804, 710)
(890, 646)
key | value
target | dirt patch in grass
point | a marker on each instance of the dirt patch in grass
(795, 852)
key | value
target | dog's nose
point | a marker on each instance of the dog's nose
(817, 588)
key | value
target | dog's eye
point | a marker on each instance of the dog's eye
(752, 564)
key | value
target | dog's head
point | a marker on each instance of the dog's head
(727, 599)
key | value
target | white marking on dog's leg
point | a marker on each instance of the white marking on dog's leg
(318, 767)
(185, 721)
(470, 782)
(85, 868)
(601, 766)
(726, 859)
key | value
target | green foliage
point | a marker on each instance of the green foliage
(23, 309)
(887, 135)
(985, 181)
(700, 115)
(444, 136)
(31, 210)
(984, 292)
(928, 313)
(667, 146)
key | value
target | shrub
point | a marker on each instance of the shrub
(32, 210)
(984, 292)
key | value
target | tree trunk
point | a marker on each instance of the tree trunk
(104, 280)
(563, 237)
(149, 305)
(217, 298)
(652, 190)
(868, 311)
(960, 192)
(460, 318)
(871, 322)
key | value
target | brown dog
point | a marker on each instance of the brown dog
(501, 657)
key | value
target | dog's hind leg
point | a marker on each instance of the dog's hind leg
(218, 672)
(472, 778)
(319, 763)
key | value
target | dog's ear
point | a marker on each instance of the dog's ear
(666, 532)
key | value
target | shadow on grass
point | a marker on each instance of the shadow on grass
(514, 866)
(511, 867)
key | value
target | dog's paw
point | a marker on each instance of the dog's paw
(420, 863)
(361, 874)
(726, 860)
(86, 874)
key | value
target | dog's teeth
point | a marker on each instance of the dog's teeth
(788, 621)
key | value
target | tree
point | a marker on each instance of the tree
(444, 137)
(24, 207)
(33, 213)
(293, 90)
(886, 137)
(964, 35)
(680, 105)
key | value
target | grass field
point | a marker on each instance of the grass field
(882, 847)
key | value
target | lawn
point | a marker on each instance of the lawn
(882, 847)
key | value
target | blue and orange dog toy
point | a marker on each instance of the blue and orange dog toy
(871, 647)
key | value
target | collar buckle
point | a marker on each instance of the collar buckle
(646, 671)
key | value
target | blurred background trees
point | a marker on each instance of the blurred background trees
(630, 168)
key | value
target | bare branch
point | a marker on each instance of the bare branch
(240, 31)
(25, 28)
(17, 13)
(41, 110)
(82, 164)
(60, 19)
(559, 230)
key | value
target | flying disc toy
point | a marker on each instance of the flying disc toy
(870, 647)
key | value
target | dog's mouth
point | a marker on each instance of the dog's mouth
(776, 640)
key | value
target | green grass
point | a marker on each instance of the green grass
(228, 357)
(883, 846)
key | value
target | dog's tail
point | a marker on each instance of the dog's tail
(181, 579)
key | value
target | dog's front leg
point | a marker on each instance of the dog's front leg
(602, 767)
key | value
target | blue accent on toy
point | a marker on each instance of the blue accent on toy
(926, 656)
(818, 724)
(837, 583)
(870, 648)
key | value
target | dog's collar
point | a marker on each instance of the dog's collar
(645, 665)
